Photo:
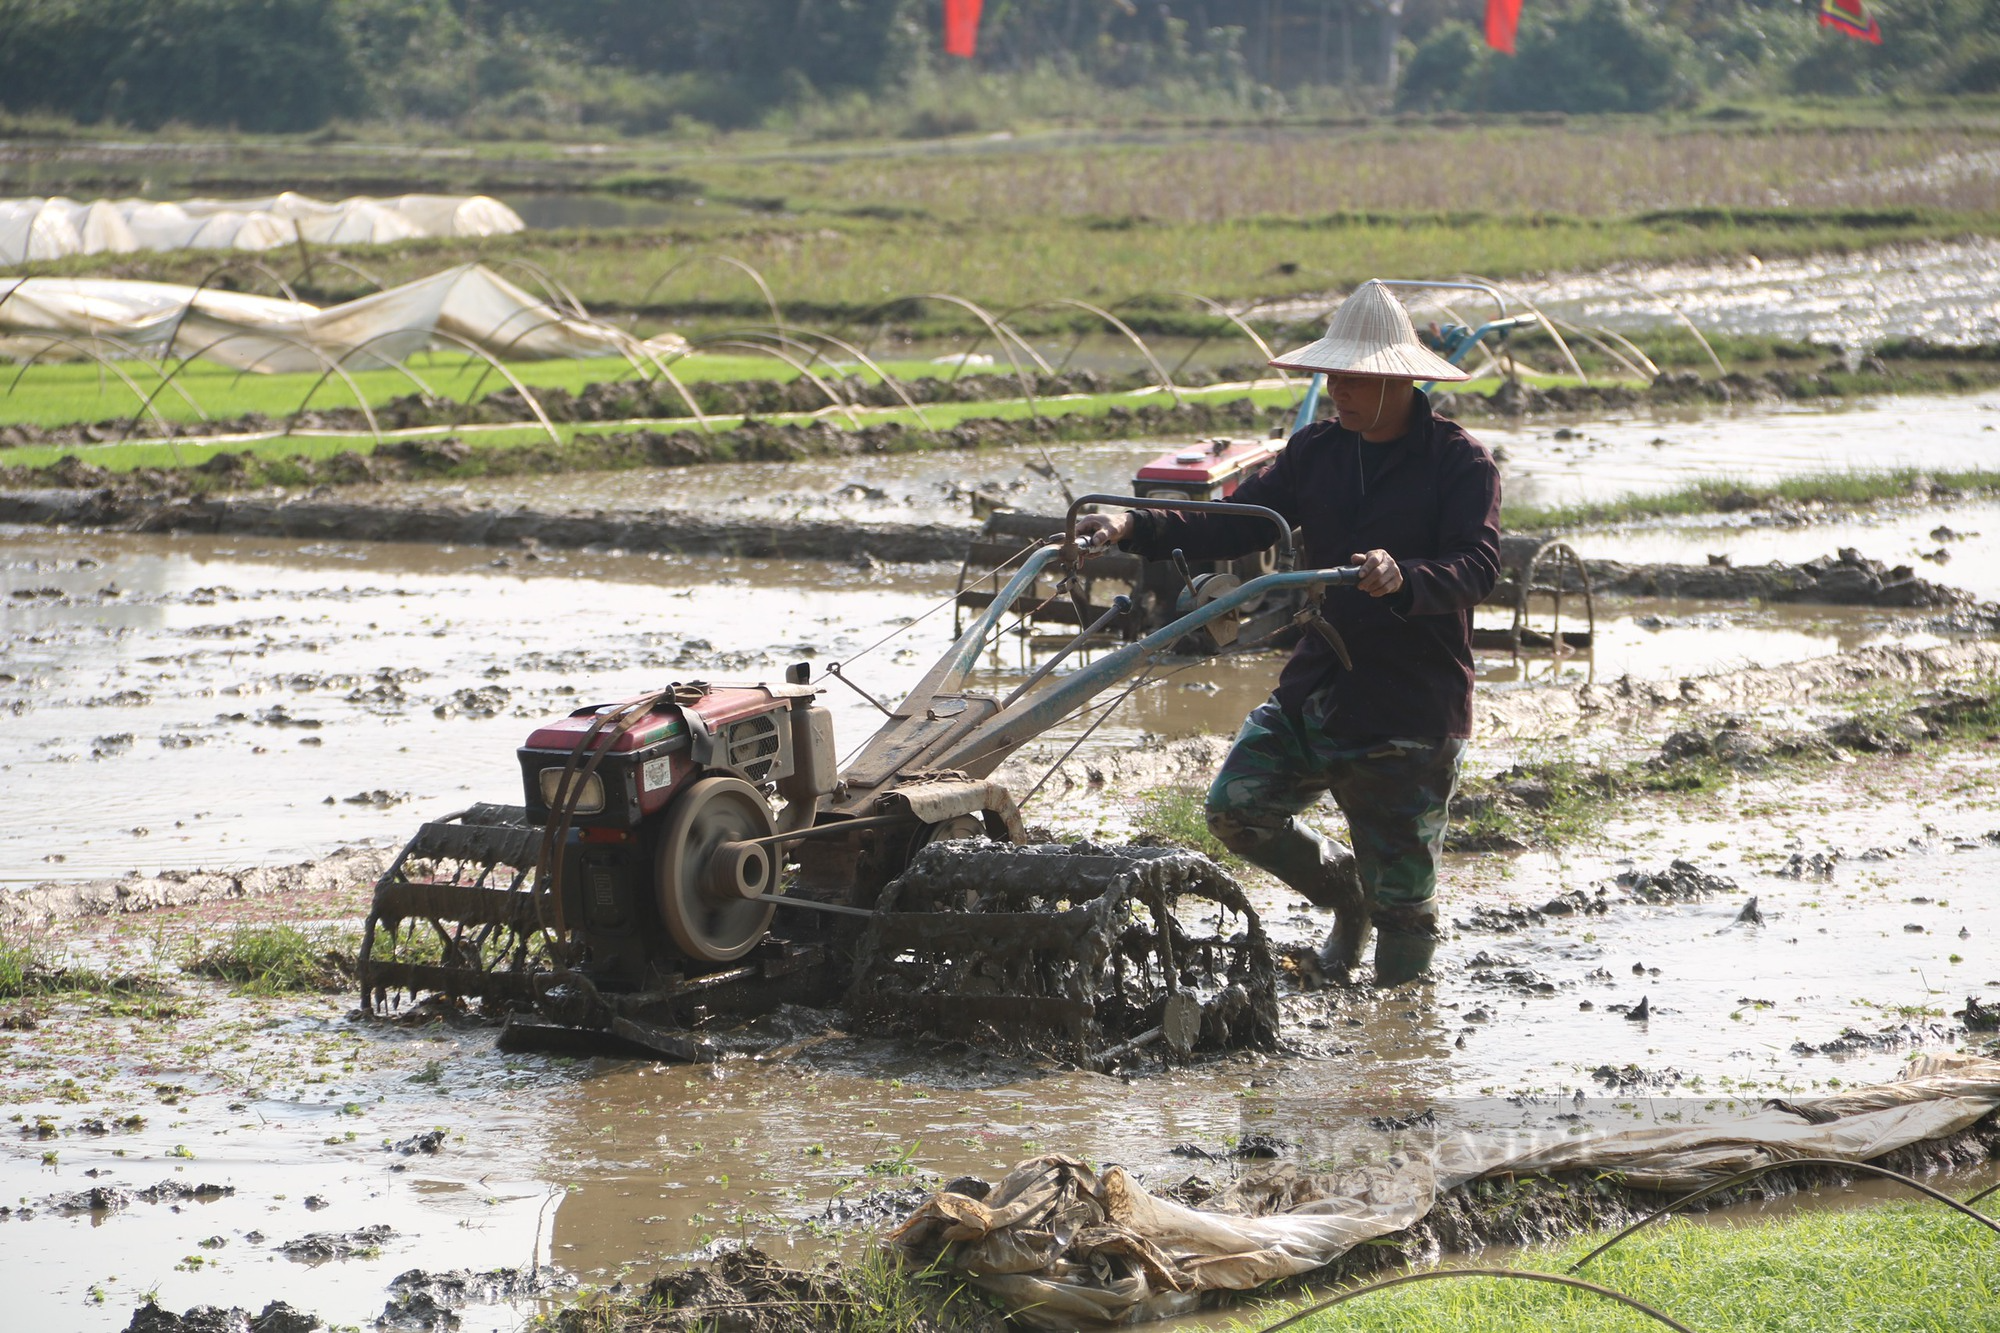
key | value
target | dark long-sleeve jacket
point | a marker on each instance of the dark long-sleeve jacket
(1433, 505)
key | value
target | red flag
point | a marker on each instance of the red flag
(961, 27)
(1502, 17)
(1849, 17)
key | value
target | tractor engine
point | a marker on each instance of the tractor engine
(644, 794)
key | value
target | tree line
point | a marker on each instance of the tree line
(643, 66)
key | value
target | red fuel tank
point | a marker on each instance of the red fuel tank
(1211, 470)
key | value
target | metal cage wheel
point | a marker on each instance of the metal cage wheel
(1560, 560)
(709, 919)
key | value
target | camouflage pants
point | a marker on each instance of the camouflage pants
(1394, 791)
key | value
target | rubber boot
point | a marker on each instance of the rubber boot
(1320, 870)
(1407, 942)
(1339, 888)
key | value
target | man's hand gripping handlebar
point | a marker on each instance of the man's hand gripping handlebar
(1090, 534)
(1098, 533)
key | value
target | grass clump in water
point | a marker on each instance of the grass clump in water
(276, 960)
(1539, 802)
(1899, 1268)
(28, 971)
(1178, 815)
(18, 964)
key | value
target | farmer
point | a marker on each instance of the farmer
(1413, 500)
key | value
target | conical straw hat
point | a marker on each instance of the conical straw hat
(1371, 334)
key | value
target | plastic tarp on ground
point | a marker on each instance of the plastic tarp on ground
(1070, 1248)
(73, 317)
(33, 230)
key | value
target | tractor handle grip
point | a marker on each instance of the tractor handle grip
(1285, 558)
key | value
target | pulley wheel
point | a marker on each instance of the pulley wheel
(701, 894)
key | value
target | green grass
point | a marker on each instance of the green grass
(1178, 815)
(19, 963)
(27, 971)
(1721, 495)
(62, 393)
(486, 441)
(276, 960)
(30, 972)
(1576, 795)
(1895, 1268)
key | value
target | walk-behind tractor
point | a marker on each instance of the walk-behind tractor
(699, 850)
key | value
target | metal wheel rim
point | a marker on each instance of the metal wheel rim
(712, 811)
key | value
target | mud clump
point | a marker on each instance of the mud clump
(1800, 866)
(321, 1246)
(1681, 882)
(881, 1208)
(1978, 1017)
(1629, 1077)
(1513, 917)
(1853, 1040)
(98, 1199)
(277, 1317)
(173, 1191)
(421, 1300)
(745, 1291)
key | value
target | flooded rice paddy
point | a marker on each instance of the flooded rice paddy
(187, 702)
(198, 701)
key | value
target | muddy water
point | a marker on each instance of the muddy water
(1947, 293)
(611, 1168)
(192, 702)
(1543, 464)
(1601, 460)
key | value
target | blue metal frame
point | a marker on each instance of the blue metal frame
(987, 745)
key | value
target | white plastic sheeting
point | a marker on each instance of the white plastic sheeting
(60, 317)
(33, 230)
(1069, 1248)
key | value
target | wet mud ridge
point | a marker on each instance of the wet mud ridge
(1846, 578)
(311, 518)
(1626, 701)
(44, 904)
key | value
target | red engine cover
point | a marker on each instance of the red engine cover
(645, 764)
(1214, 468)
(719, 707)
